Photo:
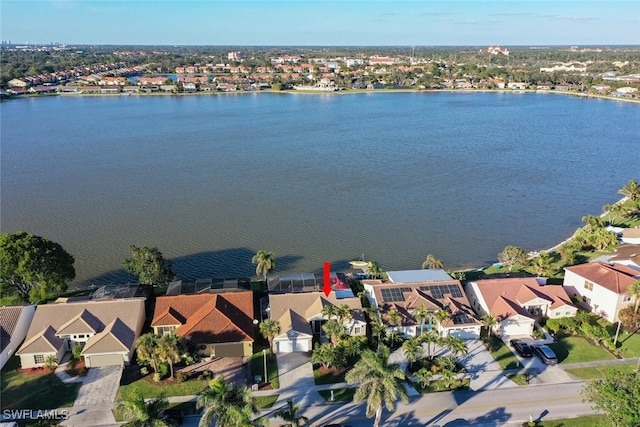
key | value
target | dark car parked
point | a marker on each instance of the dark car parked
(521, 347)
(545, 354)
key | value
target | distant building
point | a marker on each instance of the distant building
(495, 50)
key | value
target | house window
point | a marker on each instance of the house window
(567, 313)
(166, 330)
(588, 285)
(357, 330)
(626, 298)
(38, 358)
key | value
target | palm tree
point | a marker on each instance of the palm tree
(265, 262)
(489, 321)
(424, 376)
(291, 414)
(373, 270)
(412, 349)
(228, 405)
(334, 330)
(432, 263)
(169, 350)
(378, 329)
(422, 314)
(344, 313)
(147, 349)
(456, 345)
(330, 311)
(442, 316)
(269, 329)
(631, 190)
(144, 413)
(634, 290)
(431, 338)
(542, 264)
(394, 320)
(381, 383)
(592, 221)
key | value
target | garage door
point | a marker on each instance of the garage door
(465, 334)
(514, 327)
(97, 360)
(234, 350)
(294, 345)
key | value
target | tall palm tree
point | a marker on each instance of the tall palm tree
(634, 290)
(455, 344)
(542, 264)
(373, 270)
(394, 320)
(265, 262)
(291, 414)
(144, 413)
(378, 329)
(269, 328)
(412, 349)
(592, 221)
(381, 383)
(344, 313)
(432, 263)
(631, 190)
(169, 350)
(489, 321)
(424, 377)
(334, 330)
(430, 338)
(147, 349)
(442, 316)
(228, 405)
(422, 315)
(330, 311)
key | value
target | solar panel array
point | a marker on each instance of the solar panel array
(461, 318)
(438, 291)
(393, 294)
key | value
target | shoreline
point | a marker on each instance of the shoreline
(339, 93)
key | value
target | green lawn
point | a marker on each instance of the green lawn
(265, 402)
(257, 368)
(577, 349)
(339, 395)
(503, 354)
(520, 379)
(330, 376)
(629, 344)
(600, 371)
(22, 391)
(150, 389)
(590, 420)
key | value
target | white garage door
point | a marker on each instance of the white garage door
(514, 328)
(293, 345)
(465, 334)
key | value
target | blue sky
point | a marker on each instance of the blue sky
(320, 22)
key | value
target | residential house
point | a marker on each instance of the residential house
(300, 318)
(107, 330)
(627, 254)
(603, 287)
(517, 303)
(220, 324)
(434, 290)
(14, 323)
(630, 235)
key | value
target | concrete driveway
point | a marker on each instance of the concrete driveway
(95, 399)
(295, 370)
(539, 372)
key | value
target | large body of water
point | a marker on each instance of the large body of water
(211, 179)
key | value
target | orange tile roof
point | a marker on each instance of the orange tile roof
(615, 277)
(209, 318)
(505, 297)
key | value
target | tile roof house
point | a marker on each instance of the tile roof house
(518, 303)
(300, 318)
(107, 330)
(627, 254)
(603, 287)
(14, 323)
(221, 324)
(631, 235)
(434, 290)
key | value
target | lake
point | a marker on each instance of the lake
(209, 180)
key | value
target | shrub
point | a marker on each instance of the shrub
(163, 369)
(77, 351)
(182, 376)
(144, 371)
(157, 377)
(83, 372)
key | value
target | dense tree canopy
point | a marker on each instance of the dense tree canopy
(149, 265)
(512, 255)
(618, 396)
(33, 266)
